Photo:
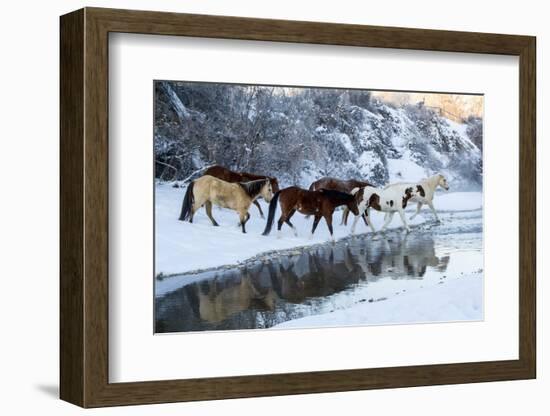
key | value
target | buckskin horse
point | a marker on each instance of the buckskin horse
(232, 176)
(208, 190)
(320, 203)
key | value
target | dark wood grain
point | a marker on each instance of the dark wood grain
(71, 100)
(84, 207)
(527, 207)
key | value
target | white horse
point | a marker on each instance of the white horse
(425, 191)
(389, 201)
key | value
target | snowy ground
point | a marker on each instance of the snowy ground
(433, 274)
(438, 297)
(182, 247)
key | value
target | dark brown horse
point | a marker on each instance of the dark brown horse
(318, 203)
(337, 184)
(342, 186)
(231, 176)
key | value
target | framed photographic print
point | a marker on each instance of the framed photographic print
(260, 207)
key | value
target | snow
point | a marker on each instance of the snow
(455, 299)
(401, 168)
(458, 201)
(455, 294)
(182, 247)
(367, 161)
(344, 140)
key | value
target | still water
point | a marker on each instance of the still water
(307, 281)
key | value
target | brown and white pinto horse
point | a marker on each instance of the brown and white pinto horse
(387, 200)
(320, 203)
(339, 185)
(425, 191)
(231, 176)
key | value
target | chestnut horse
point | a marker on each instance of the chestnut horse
(208, 190)
(231, 176)
(318, 203)
(339, 185)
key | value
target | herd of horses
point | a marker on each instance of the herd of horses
(239, 190)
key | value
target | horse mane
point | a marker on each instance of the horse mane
(253, 188)
(251, 176)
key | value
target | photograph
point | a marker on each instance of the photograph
(275, 207)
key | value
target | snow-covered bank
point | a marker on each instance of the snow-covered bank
(182, 246)
(449, 300)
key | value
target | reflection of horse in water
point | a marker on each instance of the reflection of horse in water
(313, 274)
(401, 257)
(263, 294)
(218, 301)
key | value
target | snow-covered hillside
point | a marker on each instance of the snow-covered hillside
(309, 133)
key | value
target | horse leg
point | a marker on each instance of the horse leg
(290, 214)
(345, 214)
(280, 223)
(243, 217)
(315, 223)
(418, 208)
(368, 221)
(402, 215)
(208, 207)
(197, 204)
(259, 208)
(354, 224)
(194, 210)
(328, 219)
(387, 219)
(431, 205)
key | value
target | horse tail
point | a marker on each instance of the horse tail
(311, 188)
(271, 215)
(187, 204)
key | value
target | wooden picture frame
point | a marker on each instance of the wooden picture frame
(84, 207)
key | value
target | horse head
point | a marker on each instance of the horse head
(443, 182)
(358, 193)
(353, 204)
(274, 184)
(267, 190)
